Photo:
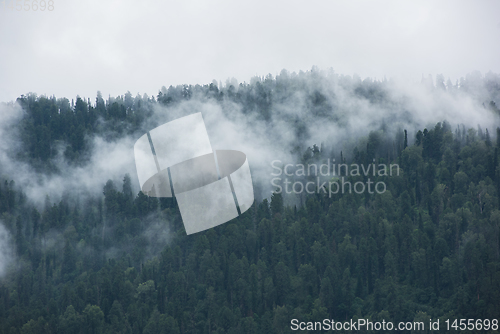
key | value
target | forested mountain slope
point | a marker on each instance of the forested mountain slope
(117, 261)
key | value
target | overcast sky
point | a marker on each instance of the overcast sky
(113, 46)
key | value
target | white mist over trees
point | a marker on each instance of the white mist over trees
(93, 254)
(79, 144)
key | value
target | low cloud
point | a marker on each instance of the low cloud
(6, 255)
(348, 109)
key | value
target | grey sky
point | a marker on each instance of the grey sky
(115, 46)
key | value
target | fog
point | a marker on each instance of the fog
(81, 47)
(6, 255)
(344, 123)
(351, 117)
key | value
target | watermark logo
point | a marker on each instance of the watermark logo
(330, 178)
(28, 5)
(176, 160)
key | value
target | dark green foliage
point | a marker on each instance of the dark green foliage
(392, 256)
(52, 125)
(428, 247)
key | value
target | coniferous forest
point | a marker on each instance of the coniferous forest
(427, 248)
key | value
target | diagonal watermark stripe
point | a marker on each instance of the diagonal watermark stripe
(211, 187)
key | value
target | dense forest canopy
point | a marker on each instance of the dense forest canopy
(83, 251)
